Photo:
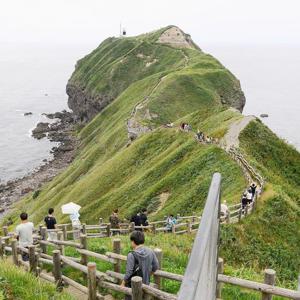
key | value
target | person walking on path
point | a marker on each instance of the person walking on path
(50, 222)
(141, 261)
(76, 225)
(249, 196)
(114, 221)
(144, 218)
(253, 189)
(24, 234)
(136, 219)
(224, 210)
(244, 200)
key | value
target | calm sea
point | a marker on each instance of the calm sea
(33, 79)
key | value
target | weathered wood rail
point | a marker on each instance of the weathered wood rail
(203, 278)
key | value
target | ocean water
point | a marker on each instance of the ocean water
(33, 78)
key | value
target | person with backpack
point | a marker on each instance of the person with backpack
(170, 222)
(244, 200)
(136, 219)
(141, 261)
(50, 222)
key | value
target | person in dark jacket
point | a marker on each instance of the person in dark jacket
(244, 200)
(141, 261)
(253, 189)
(136, 219)
(144, 218)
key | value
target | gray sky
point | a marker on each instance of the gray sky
(90, 21)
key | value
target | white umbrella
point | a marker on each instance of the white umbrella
(70, 208)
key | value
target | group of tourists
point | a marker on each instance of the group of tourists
(248, 195)
(202, 138)
(185, 127)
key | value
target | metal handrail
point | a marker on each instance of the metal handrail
(200, 278)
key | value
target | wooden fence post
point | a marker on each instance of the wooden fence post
(159, 256)
(246, 210)
(83, 229)
(14, 252)
(220, 271)
(57, 269)
(5, 233)
(92, 281)
(43, 236)
(100, 221)
(32, 259)
(240, 214)
(117, 249)
(60, 237)
(194, 217)
(108, 230)
(40, 229)
(1, 248)
(269, 279)
(189, 226)
(83, 242)
(154, 228)
(173, 228)
(64, 230)
(132, 226)
(136, 287)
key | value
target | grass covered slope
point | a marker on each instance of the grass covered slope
(179, 84)
(271, 236)
(102, 76)
(18, 284)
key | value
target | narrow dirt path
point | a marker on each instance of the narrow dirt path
(231, 138)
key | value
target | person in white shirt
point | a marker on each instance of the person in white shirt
(24, 234)
(76, 225)
(224, 210)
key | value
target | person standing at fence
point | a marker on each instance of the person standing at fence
(136, 219)
(50, 222)
(244, 200)
(24, 234)
(249, 196)
(114, 221)
(141, 261)
(144, 218)
(76, 225)
(171, 221)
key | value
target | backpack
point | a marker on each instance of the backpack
(137, 271)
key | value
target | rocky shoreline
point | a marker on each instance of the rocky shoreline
(60, 131)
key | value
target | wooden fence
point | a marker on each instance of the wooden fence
(203, 278)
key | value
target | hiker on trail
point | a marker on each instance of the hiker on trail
(136, 219)
(114, 221)
(182, 125)
(199, 135)
(144, 218)
(249, 196)
(24, 234)
(171, 221)
(76, 225)
(50, 222)
(224, 210)
(253, 189)
(141, 261)
(244, 200)
(187, 127)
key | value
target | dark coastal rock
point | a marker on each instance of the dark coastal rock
(264, 115)
(41, 128)
(28, 113)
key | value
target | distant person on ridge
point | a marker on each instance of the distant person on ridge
(141, 261)
(114, 221)
(136, 219)
(144, 218)
(253, 189)
(249, 196)
(244, 200)
(24, 234)
(50, 222)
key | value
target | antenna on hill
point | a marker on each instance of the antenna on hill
(122, 31)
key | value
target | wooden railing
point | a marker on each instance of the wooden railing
(203, 278)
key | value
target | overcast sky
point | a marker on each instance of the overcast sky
(209, 21)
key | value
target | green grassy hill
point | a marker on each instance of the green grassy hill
(16, 283)
(139, 84)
